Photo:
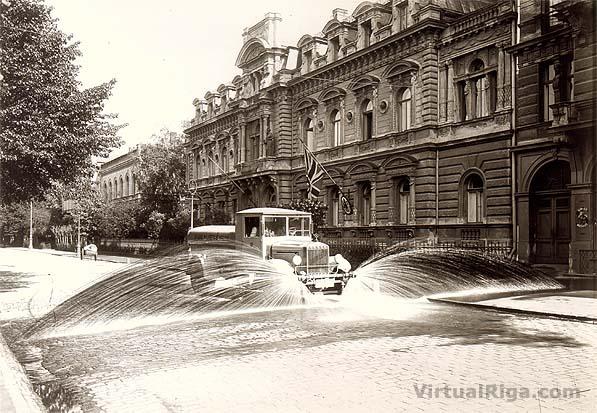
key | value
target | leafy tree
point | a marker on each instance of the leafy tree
(317, 209)
(14, 221)
(161, 173)
(118, 220)
(51, 126)
(154, 225)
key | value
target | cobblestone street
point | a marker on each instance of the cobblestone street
(346, 355)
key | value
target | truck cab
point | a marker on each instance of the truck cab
(282, 235)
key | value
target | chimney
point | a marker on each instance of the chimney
(340, 14)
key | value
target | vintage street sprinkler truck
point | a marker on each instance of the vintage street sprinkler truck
(281, 235)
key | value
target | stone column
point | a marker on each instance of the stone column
(374, 113)
(373, 221)
(468, 98)
(262, 136)
(243, 143)
(500, 78)
(450, 94)
(442, 93)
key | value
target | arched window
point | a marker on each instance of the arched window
(334, 210)
(365, 218)
(127, 185)
(367, 119)
(115, 188)
(110, 193)
(197, 173)
(121, 187)
(133, 185)
(477, 93)
(106, 196)
(336, 126)
(224, 158)
(403, 200)
(405, 110)
(210, 159)
(474, 200)
(308, 134)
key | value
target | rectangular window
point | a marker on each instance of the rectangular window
(252, 227)
(548, 96)
(334, 48)
(402, 17)
(274, 227)
(366, 33)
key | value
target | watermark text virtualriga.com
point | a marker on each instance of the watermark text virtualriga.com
(493, 391)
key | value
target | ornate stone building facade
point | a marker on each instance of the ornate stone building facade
(116, 178)
(408, 105)
(555, 142)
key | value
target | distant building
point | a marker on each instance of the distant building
(116, 178)
(407, 104)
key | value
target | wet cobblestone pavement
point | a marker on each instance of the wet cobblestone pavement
(326, 359)
(355, 355)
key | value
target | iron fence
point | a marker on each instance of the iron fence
(357, 250)
(588, 261)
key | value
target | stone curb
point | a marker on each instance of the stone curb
(486, 307)
(16, 393)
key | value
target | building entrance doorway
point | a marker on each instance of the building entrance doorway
(550, 214)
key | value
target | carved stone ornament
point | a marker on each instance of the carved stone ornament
(320, 125)
(383, 106)
(349, 116)
(582, 217)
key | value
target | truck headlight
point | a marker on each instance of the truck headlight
(297, 260)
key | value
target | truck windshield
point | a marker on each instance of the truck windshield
(275, 226)
(299, 226)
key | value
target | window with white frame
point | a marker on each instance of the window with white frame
(405, 110)
(367, 119)
(473, 186)
(308, 134)
(336, 119)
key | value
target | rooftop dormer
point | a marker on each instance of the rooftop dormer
(370, 17)
(341, 35)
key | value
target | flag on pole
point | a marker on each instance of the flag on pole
(314, 174)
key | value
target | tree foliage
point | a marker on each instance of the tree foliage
(160, 173)
(51, 126)
(317, 209)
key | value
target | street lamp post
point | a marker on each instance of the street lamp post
(79, 235)
(30, 225)
(192, 209)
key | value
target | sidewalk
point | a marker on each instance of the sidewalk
(100, 257)
(16, 393)
(570, 305)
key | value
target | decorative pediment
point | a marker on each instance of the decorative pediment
(399, 162)
(400, 69)
(362, 8)
(305, 40)
(363, 82)
(306, 103)
(250, 51)
(331, 26)
(332, 93)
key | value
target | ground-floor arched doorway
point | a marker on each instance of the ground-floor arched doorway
(550, 220)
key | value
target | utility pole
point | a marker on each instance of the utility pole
(79, 234)
(31, 224)
(192, 209)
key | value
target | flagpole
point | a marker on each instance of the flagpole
(230, 179)
(319, 163)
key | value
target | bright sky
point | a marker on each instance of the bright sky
(164, 54)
